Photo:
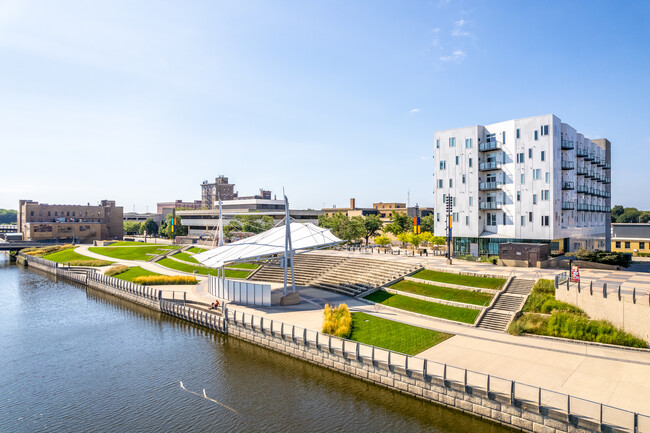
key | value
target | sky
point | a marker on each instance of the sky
(139, 102)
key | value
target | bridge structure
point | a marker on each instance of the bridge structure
(16, 246)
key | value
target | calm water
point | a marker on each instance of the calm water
(77, 360)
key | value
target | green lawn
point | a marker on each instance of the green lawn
(133, 272)
(172, 264)
(143, 253)
(391, 335)
(462, 280)
(244, 266)
(458, 314)
(446, 293)
(70, 256)
(196, 250)
(135, 244)
(185, 257)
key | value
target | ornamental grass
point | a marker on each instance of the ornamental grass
(43, 251)
(337, 321)
(114, 270)
(159, 280)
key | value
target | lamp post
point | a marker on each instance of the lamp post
(449, 202)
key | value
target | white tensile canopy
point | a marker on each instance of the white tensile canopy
(304, 237)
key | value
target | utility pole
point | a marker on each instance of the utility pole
(449, 202)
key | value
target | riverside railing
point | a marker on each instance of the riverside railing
(125, 286)
(564, 407)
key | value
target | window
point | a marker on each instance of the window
(468, 143)
(504, 219)
(523, 220)
(463, 178)
(534, 198)
(451, 183)
(470, 201)
(642, 245)
(453, 201)
(618, 245)
(456, 159)
(470, 163)
(530, 217)
(530, 153)
(518, 195)
(542, 155)
(537, 174)
(545, 194)
(535, 135)
(503, 137)
(439, 183)
(467, 220)
(544, 130)
(443, 165)
(627, 245)
(32, 213)
(491, 219)
(547, 175)
(518, 134)
(520, 157)
(545, 220)
(452, 141)
(438, 217)
(444, 198)
(437, 143)
(523, 178)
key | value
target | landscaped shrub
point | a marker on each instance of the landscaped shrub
(529, 323)
(157, 280)
(43, 251)
(89, 262)
(542, 300)
(114, 270)
(605, 257)
(337, 321)
(576, 327)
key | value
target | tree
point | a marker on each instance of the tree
(372, 224)
(131, 227)
(8, 216)
(645, 217)
(149, 226)
(629, 215)
(401, 223)
(255, 223)
(232, 226)
(343, 227)
(404, 237)
(617, 211)
(382, 240)
(415, 239)
(426, 224)
(165, 229)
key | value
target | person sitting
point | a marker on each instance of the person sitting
(214, 305)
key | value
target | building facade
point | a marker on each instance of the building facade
(532, 180)
(70, 223)
(212, 192)
(631, 238)
(166, 207)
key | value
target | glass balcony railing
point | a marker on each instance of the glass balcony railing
(568, 165)
(568, 186)
(487, 186)
(567, 145)
(582, 170)
(582, 152)
(583, 189)
(491, 205)
(489, 145)
(589, 156)
(568, 205)
(489, 166)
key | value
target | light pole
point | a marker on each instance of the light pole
(449, 202)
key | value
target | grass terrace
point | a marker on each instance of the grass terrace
(449, 312)
(133, 273)
(391, 335)
(172, 264)
(135, 244)
(445, 293)
(243, 266)
(197, 250)
(462, 280)
(142, 253)
(185, 257)
(75, 259)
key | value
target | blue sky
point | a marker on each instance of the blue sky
(141, 101)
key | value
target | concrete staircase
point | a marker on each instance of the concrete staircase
(306, 268)
(506, 305)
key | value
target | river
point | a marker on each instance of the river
(77, 360)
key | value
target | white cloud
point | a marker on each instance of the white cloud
(457, 56)
(424, 158)
(436, 30)
(459, 28)
(414, 110)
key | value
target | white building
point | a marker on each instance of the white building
(525, 180)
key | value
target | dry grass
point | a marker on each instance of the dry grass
(337, 321)
(43, 251)
(158, 280)
(114, 270)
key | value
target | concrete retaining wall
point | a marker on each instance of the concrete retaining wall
(452, 286)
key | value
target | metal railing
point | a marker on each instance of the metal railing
(567, 165)
(567, 145)
(582, 152)
(491, 205)
(490, 165)
(568, 205)
(568, 185)
(489, 145)
(565, 407)
(487, 186)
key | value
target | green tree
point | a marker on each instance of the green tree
(426, 224)
(415, 239)
(404, 237)
(401, 223)
(343, 227)
(382, 240)
(131, 227)
(255, 223)
(149, 226)
(630, 215)
(232, 226)
(372, 224)
(617, 211)
(165, 229)
(8, 216)
(645, 217)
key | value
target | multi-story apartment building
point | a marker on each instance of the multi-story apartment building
(75, 223)
(526, 180)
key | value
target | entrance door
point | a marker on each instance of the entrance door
(473, 249)
(533, 257)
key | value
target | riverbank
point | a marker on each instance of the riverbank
(506, 402)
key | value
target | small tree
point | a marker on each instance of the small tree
(255, 223)
(415, 239)
(131, 227)
(617, 211)
(404, 238)
(382, 240)
(165, 229)
(372, 224)
(426, 223)
(149, 226)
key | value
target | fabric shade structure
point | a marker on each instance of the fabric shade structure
(304, 237)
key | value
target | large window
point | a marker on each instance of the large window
(437, 143)
(618, 244)
(543, 155)
(642, 245)
(627, 245)
(544, 130)
(452, 141)
(468, 143)
(518, 134)
(545, 220)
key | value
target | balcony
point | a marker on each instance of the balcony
(586, 207)
(582, 152)
(596, 161)
(590, 174)
(607, 180)
(489, 186)
(567, 145)
(489, 146)
(568, 205)
(589, 157)
(491, 205)
(568, 186)
(489, 166)
(583, 189)
(582, 170)
(601, 162)
(568, 165)
(607, 166)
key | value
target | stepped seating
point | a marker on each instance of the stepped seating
(344, 275)
(508, 302)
